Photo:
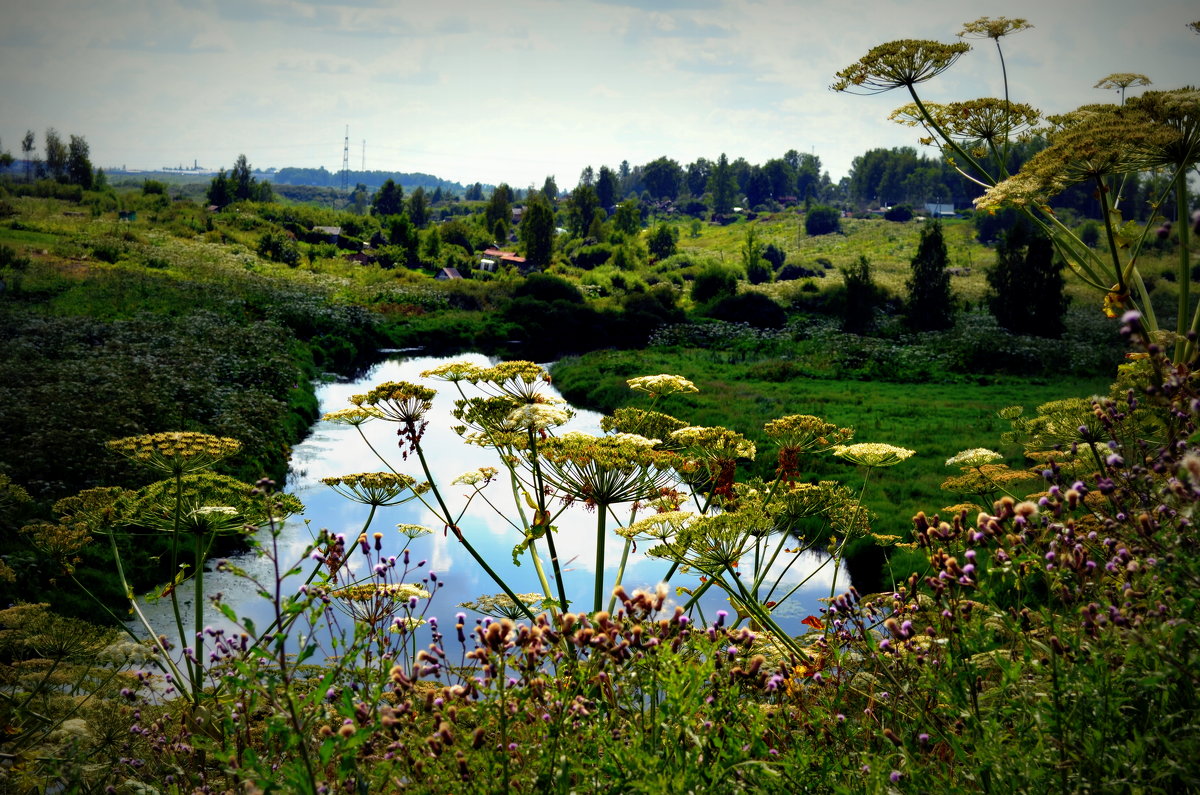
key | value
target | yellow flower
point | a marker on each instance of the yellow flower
(398, 401)
(176, 452)
(988, 28)
(353, 416)
(899, 63)
(376, 488)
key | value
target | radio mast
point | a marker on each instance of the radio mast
(346, 161)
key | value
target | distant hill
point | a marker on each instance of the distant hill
(322, 178)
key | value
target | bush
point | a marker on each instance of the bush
(714, 281)
(901, 213)
(822, 220)
(547, 287)
(754, 309)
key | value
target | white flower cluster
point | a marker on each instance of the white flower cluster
(661, 385)
(127, 652)
(872, 454)
(975, 457)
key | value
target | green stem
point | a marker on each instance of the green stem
(1184, 347)
(600, 528)
(612, 600)
(483, 564)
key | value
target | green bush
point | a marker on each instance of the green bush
(822, 220)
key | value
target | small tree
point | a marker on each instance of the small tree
(1026, 295)
(388, 200)
(822, 220)
(930, 304)
(862, 297)
(714, 281)
(627, 220)
(756, 267)
(537, 229)
(418, 208)
(722, 185)
(661, 241)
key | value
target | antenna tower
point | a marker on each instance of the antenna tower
(346, 161)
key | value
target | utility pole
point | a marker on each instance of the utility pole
(346, 161)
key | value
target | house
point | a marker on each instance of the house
(504, 258)
(448, 273)
(330, 233)
(939, 210)
(488, 265)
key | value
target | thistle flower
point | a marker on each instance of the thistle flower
(176, 452)
(975, 457)
(658, 386)
(872, 454)
(376, 488)
(898, 63)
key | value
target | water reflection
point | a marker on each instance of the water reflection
(338, 449)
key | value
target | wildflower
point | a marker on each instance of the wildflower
(659, 526)
(1119, 81)
(353, 416)
(649, 424)
(659, 386)
(520, 380)
(376, 488)
(177, 452)
(606, 470)
(798, 433)
(872, 454)
(538, 416)
(453, 372)
(398, 401)
(502, 606)
(986, 27)
(975, 457)
(475, 477)
(899, 63)
(413, 530)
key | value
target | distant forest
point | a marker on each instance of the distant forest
(372, 180)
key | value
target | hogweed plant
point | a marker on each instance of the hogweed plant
(1096, 145)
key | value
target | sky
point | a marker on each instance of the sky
(515, 91)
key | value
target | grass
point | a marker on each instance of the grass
(936, 420)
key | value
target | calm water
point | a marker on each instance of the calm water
(337, 450)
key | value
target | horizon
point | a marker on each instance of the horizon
(475, 93)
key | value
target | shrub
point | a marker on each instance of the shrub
(822, 220)
(714, 281)
(755, 309)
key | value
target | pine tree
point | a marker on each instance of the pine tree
(930, 304)
(1026, 295)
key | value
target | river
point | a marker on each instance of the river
(334, 449)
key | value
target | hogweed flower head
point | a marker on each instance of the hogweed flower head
(658, 386)
(899, 63)
(872, 454)
(539, 416)
(975, 457)
(413, 530)
(521, 380)
(353, 416)
(606, 470)
(376, 488)
(659, 526)
(476, 477)
(176, 452)
(649, 424)
(988, 28)
(502, 606)
(1119, 81)
(398, 401)
(454, 372)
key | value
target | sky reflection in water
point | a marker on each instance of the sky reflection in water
(338, 450)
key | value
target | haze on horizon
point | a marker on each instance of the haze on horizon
(479, 91)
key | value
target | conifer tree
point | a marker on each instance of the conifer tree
(1026, 295)
(930, 303)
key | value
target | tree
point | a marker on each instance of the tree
(56, 155)
(822, 220)
(79, 166)
(499, 211)
(6, 158)
(757, 269)
(774, 255)
(861, 298)
(606, 187)
(218, 190)
(418, 208)
(550, 188)
(697, 176)
(782, 176)
(758, 187)
(930, 303)
(537, 230)
(715, 281)
(474, 193)
(587, 176)
(662, 178)
(581, 207)
(242, 179)
(388, 200)
(627, 220)
(28, 143)
(1026, 295)
(722, 186)
(661, 241)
